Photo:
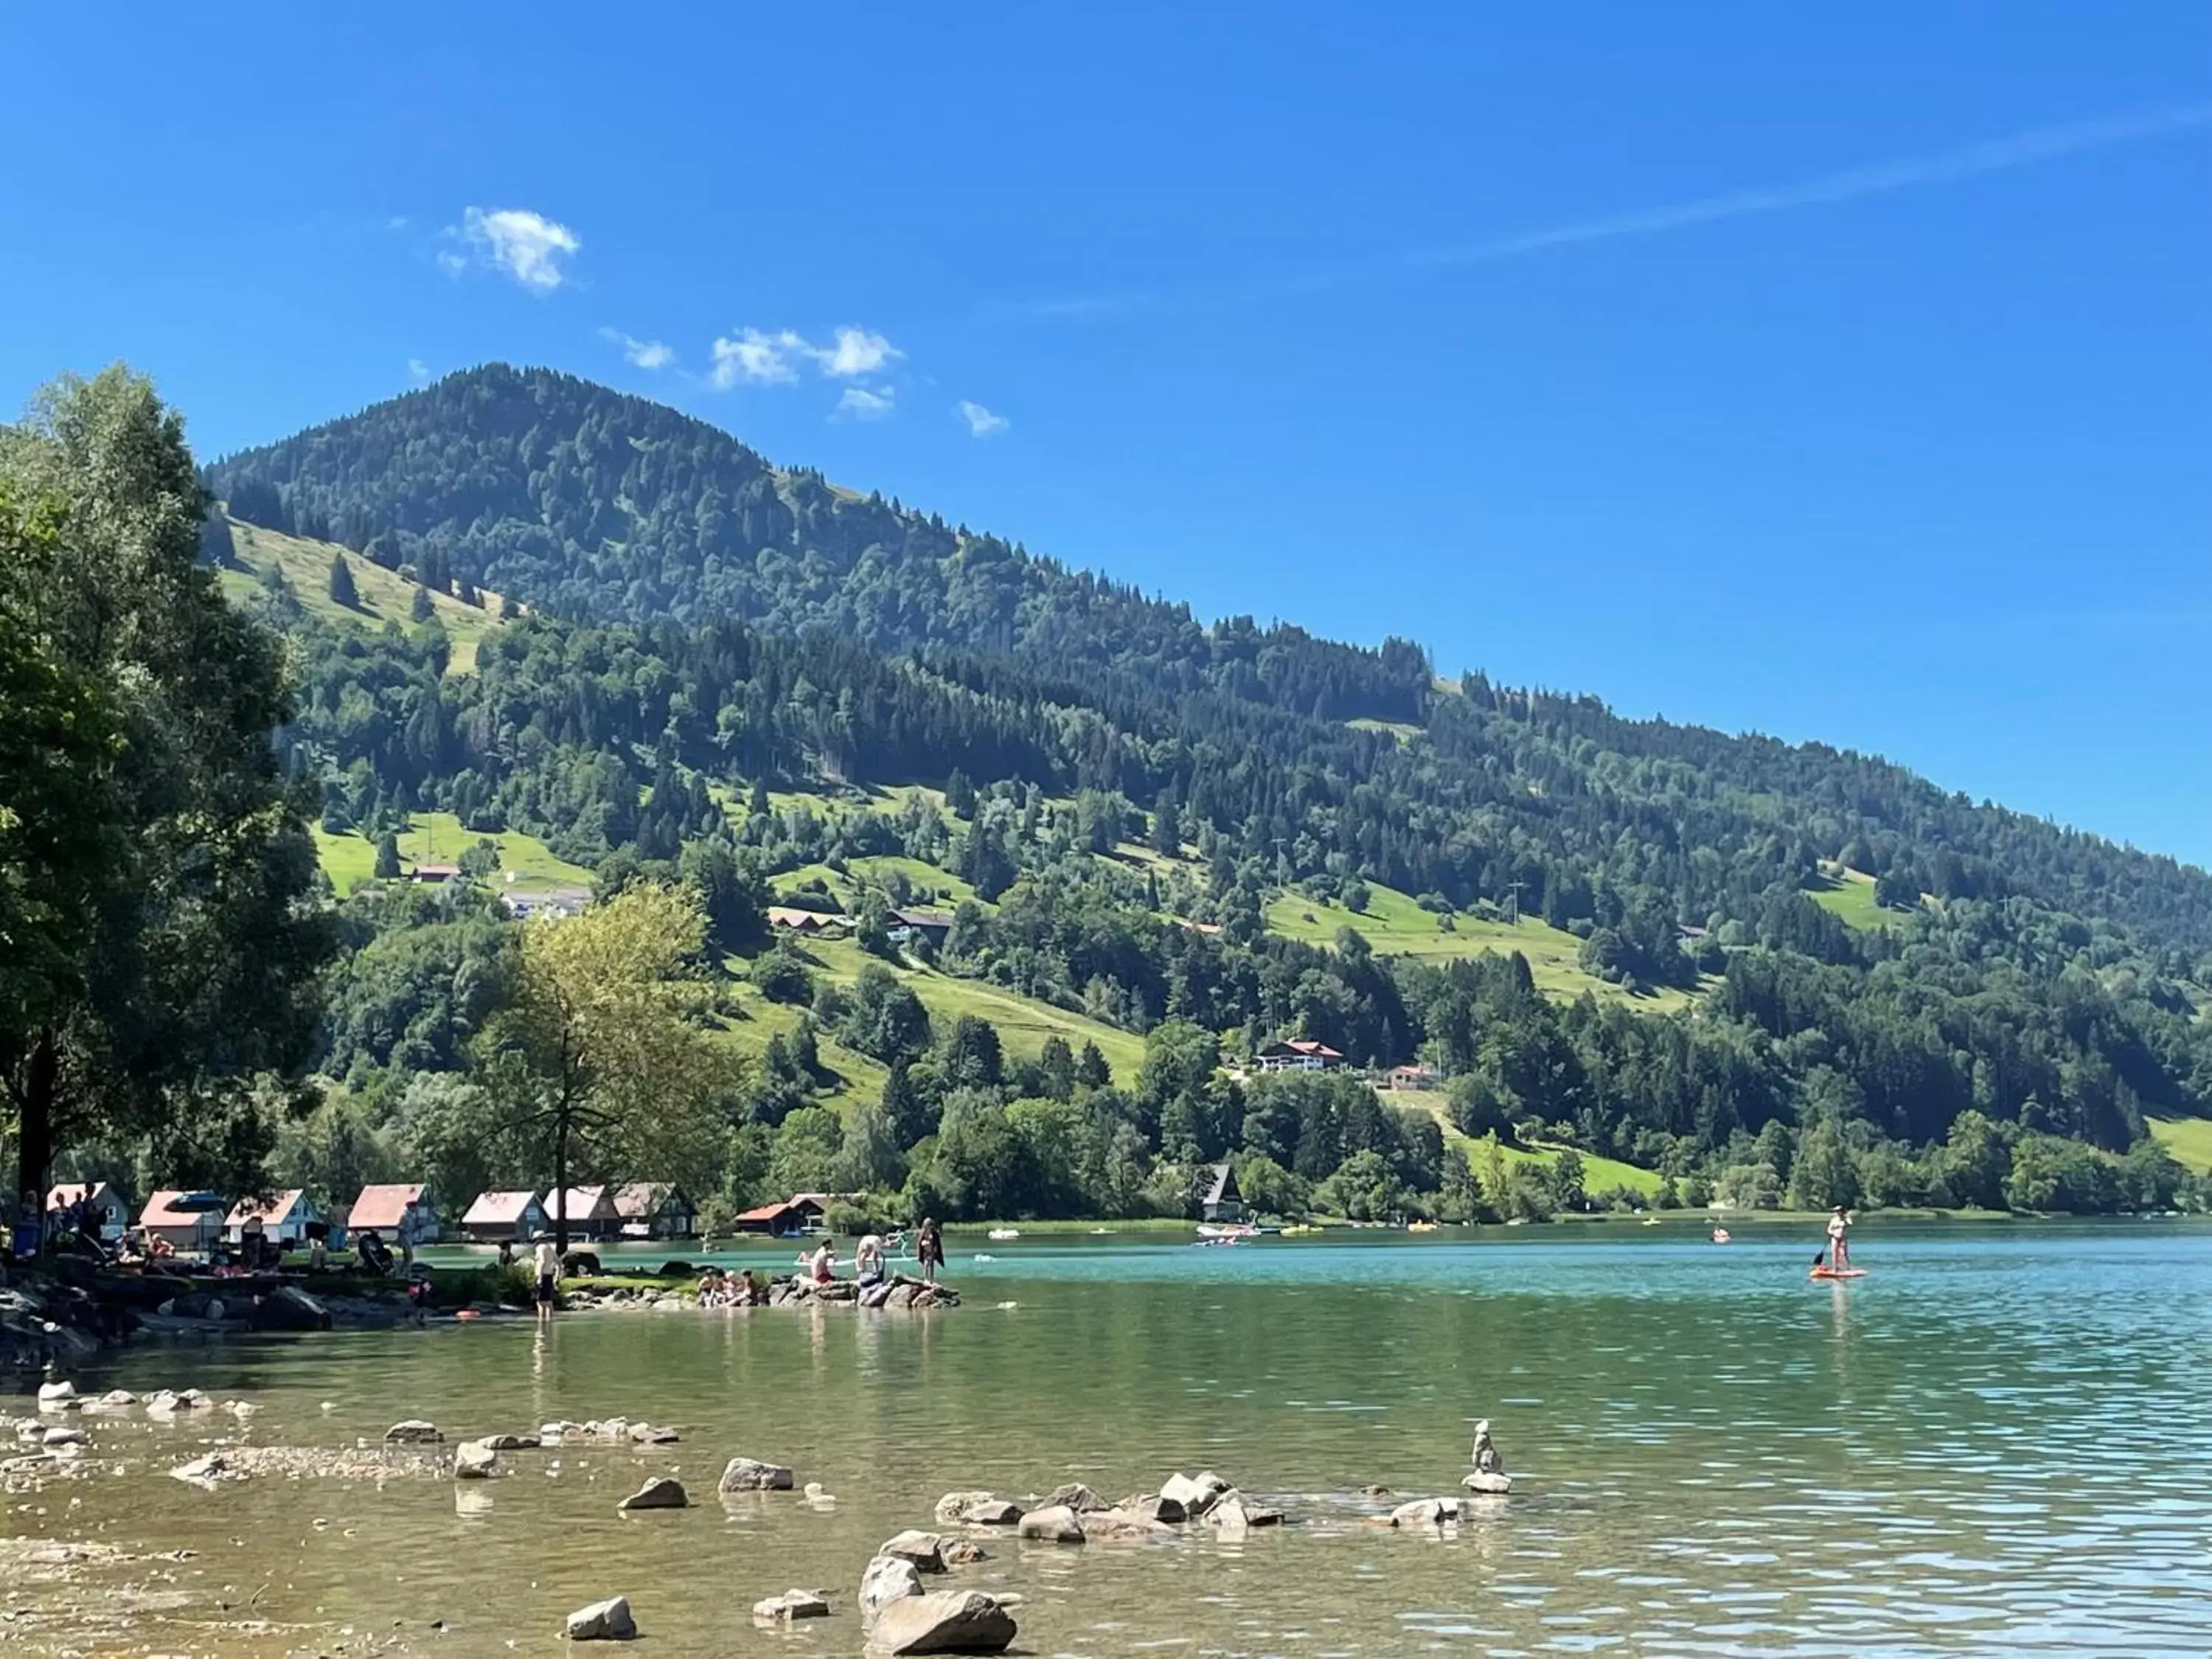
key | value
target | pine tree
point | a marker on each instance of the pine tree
(1167, 825)
(387, 857)
(1091, 1070)
(342, 588)
(422, 611)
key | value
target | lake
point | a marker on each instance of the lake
(1996, 1443)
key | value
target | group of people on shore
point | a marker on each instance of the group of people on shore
(870, 1260)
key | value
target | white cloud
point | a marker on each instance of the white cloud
(418, 370)
(639, 353)
(755, 357)
(860, 403)
(451, 263)
(982, 423)
(857, 352)
(528, 246)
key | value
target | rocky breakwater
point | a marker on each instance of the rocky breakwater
(792, 1291)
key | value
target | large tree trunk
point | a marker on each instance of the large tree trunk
(34, 1127)
(560, 1185)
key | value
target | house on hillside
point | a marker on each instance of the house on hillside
(791, 919)
(656, 1209)
(555, 905)
(1412, 1077)
(434, 875)
(511, 1217)
(284, 1217)
(186, 1221)
(591, 1213)
(381, 1208)
(1221, 1200)
(1299, 1055)
(111, 1217)
(912, 927)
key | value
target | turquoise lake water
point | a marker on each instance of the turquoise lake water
(1997, 1442)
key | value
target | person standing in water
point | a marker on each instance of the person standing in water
(1839, 1240)
(549, 1277)
(929, 1250)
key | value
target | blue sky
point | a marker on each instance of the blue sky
(1840, 373)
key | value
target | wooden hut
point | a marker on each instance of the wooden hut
(513, 1218)
(656, 1209)
(591, 1213)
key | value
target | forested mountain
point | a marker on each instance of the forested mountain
(595, 504)
(1877, 990)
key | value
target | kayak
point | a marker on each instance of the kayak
(1837, 1273)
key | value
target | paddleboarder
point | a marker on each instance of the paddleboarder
(1839, 1240)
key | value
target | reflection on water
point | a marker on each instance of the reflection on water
(1995, 1442)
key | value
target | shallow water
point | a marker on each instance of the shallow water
(1996, 1443)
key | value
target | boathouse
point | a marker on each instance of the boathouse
(656, 1209)
(512, 1217)
(1221, 1200)
(591, 1213)
(189, 1221)
(382, 1207)
(284, 1217)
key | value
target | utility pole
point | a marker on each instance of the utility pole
(1513, 902)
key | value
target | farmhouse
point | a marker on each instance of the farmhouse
(1299, 1055)
(790, 918)
(434, 875)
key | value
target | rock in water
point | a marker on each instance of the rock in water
(1426, 1512)
(959, 1553)
(791, 1604)
(1151, 1507)
(748, 1474)
(977, 1509)
(887, 1579)
(474, 1461)
(1196, 1496)
(947, 1621)
(1075, 1496)
(926, 1550)
(647, 1434)
(57, 1393)
(1492, 1486)
(287, 1308)
(1228, 1513)
(603, 1621)
(502, 1443)
(1118, 1525)
(663, 1491)
(1055, 1525)
(413, 1432)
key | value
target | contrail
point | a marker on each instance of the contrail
(1972, 161)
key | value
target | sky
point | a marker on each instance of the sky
(1839, 373)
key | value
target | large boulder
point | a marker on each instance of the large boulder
(1488, 1483)
(57, 1395)
(926, 1550)
(887, 1579)
(287, 1308)
(791, 1605)
(1054, 1525)
(603, 1621)
(946, 1621)
(413, 1432)
(1227, 1514)
(663, 1491)
(474, 1461)
(1076, 1496)
(749, 1475)
(650, 1434)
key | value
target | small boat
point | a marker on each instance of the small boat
(1648, 1221)
(1420, 1226)
(1000, 1234)
(980, 1256)
(1212, 1229)
(1837, 1273)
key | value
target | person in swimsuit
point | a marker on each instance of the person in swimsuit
(929, 1250)
(549, 1277)
(1839, 1240)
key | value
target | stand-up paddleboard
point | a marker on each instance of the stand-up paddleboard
(1837, 1273)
